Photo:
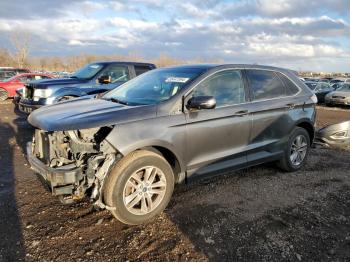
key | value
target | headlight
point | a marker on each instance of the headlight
(42, 93)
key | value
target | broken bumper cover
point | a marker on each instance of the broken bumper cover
(60, 180)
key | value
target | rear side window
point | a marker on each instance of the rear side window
(291, 88)
(226, 87)
(141, 69)
(265, 84)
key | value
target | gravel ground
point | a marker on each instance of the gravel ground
(257, 214)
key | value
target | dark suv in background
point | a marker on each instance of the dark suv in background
(128, 148)
(94, 78)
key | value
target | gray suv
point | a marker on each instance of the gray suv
(128, 148)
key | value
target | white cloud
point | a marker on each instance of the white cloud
(285, 32)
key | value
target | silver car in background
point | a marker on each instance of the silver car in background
(339, 97)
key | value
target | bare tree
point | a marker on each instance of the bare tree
(21, 44)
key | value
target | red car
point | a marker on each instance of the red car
(8, 87)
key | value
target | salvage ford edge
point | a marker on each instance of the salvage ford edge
(128, 148)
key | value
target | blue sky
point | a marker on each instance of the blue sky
(298, 34)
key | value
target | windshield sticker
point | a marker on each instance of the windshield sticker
(94, 66)
(176, 79)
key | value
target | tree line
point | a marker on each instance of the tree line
(20, 57)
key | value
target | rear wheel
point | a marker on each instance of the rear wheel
(3, 94)
(296, 150)
(139, 187)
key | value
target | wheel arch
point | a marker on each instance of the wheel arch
(167, 152)
(309, 127)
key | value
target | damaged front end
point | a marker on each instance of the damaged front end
(337, 135)
(73, 164)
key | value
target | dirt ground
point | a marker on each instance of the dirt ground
(257, 214)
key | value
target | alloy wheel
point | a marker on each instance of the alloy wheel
(298, 150)
(144, 190)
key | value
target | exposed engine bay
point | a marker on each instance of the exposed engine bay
(73, 163)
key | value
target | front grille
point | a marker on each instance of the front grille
(341, 97)
(28, 91)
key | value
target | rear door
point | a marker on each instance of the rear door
(270, 112)
(217, 138)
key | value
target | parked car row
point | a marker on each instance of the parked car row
(330, 80)
(149, 129)
(341, 96)
(8, 87)
(8, 72)
(330, 93)
(92, 79)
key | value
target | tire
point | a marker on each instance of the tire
(127, 196)
(286, 162)
(3, 94)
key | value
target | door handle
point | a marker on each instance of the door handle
(290, 106)
(241, 113)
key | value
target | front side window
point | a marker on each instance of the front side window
(117, 73)
(154, 87)
(265, 84)
(226, 87)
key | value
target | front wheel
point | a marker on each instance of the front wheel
(139, 187)
(296, 150)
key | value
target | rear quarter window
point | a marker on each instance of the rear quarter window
(265, 84)
(291, 88)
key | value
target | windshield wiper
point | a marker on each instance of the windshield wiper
(73, 77)
(115, 100)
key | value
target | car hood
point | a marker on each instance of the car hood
(85, 113)
(57, 82)
(340, 93)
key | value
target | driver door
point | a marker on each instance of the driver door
(217, 138)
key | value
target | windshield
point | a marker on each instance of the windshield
(312, 86)
(153, 87)
(87, 71)
(344, 88)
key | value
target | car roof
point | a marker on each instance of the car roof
(223, 66)
(122, 63)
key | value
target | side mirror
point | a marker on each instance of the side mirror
(201, 102)
(104, 79)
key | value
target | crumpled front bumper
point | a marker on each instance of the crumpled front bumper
(60, 180)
